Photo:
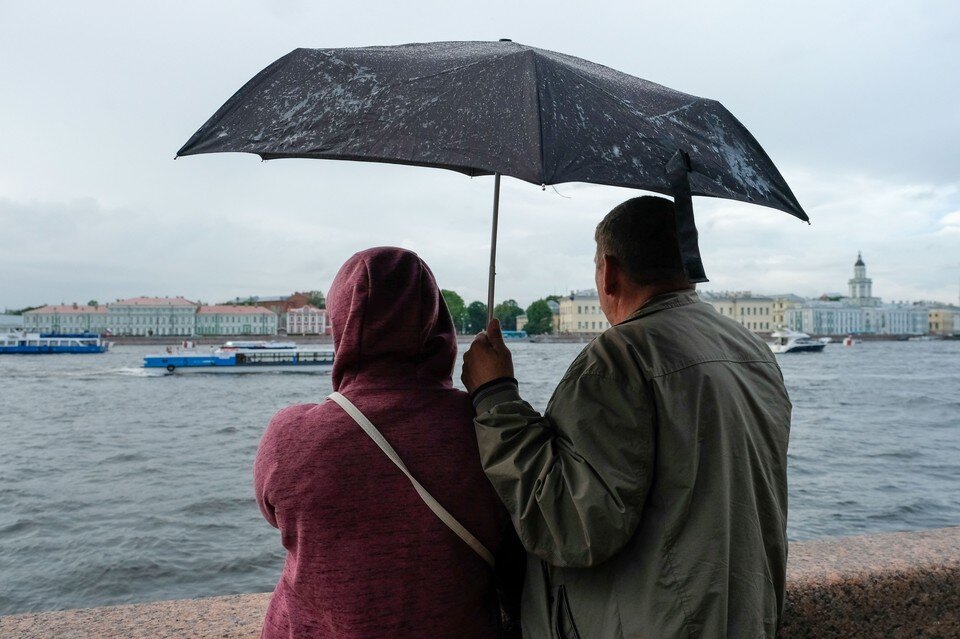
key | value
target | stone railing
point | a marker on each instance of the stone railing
(887, 586)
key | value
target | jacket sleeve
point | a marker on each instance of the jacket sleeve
(269, 463)
(574, 479)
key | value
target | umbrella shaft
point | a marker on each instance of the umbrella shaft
(493, 246)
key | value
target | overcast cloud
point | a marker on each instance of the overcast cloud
(856, 103)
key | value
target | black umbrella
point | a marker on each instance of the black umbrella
(499, 108)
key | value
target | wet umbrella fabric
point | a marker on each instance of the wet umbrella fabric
(485, 108)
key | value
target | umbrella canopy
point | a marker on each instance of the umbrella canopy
(485, 108)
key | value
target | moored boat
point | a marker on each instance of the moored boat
(787, 341)
(52, 343)
(245, 357)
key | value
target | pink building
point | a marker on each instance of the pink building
(307, 320)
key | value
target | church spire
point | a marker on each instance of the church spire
(859, 259)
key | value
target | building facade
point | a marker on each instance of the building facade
(66, 318)
(943, 321)
(306, 320)
(781, 303)
(580, 313)
(754, 312)
(860, 313)
(166, 316)
(280, 304)
(228, 319)
(9, 323)
(818, 317)
(152, 316)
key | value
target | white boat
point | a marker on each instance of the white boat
(246, 357)
(787, 341)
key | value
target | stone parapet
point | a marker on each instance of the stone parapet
(230, 617)
(885, 586)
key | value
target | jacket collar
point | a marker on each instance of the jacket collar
(673, 299)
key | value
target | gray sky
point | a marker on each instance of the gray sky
(856, 102)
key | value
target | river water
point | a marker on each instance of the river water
(119, 487)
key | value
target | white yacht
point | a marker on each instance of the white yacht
(787, 341)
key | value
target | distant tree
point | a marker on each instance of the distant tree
(507, 312)
(457, 308)
(539, 318)
(476, 317)
(93, 303)
(21, 311)
(317, 299)
(553, 298)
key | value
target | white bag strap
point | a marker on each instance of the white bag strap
(434, 505)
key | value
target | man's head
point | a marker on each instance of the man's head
(638, 255)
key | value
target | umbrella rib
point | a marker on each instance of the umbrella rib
(462, 66)
(536, 75)
(625, 102)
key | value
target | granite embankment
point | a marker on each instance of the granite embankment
(886, 586)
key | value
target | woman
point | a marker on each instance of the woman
(366, 557)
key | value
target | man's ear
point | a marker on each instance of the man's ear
(610, 275)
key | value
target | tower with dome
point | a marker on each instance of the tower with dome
(861, 286)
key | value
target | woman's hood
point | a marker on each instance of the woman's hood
(391, 326)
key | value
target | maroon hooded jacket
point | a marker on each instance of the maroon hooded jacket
(365, 556)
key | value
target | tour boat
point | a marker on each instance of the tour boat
(787, 341)
(245, 357)
(48, 343)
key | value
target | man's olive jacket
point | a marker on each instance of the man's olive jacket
(652, 495)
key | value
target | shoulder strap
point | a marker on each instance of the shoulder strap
(388, 450)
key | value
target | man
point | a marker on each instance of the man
(651, 495)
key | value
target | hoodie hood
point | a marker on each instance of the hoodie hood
(391, 326)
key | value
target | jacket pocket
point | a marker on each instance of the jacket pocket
(561, 618)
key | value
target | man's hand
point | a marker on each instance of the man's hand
(487, 359)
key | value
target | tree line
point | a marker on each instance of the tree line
(472, 318)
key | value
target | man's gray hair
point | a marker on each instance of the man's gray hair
(641, 235)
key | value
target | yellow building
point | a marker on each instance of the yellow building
(580, 313)
(781, 303)
(941, 321)
(755, 313)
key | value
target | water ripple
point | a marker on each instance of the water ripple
(117, 486)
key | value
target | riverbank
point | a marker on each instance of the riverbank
(565, 338)
(888, 586)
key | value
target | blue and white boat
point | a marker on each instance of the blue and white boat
(47, 343)
(787, 341)
(244, 357)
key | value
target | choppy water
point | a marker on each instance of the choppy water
(118, 487)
